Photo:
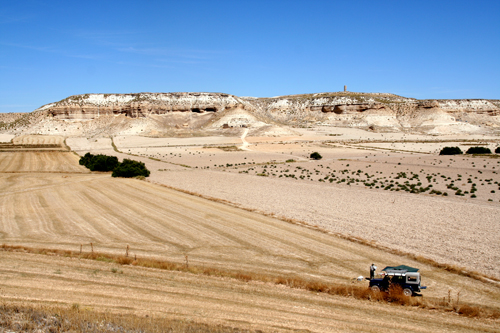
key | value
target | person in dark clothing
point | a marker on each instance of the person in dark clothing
(373, 268)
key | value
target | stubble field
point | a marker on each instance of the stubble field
(67, 208)
(440, 207)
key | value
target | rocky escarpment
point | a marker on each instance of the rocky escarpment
(382, 112)
(171, 114)
(91, 106)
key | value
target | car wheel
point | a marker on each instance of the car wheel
(407, 292)
(375, 288)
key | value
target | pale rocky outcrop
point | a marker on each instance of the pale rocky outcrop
(91, 106)
(171, 114)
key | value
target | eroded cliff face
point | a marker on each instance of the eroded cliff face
(383, 112)
(174, 113)
(91, 106)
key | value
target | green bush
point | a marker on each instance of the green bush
(129, 168)
(450, 151)
(497, 150)
(99, 162)
(316, 156)
(85, 159)
(478, 150)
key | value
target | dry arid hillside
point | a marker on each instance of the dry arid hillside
(195, 114)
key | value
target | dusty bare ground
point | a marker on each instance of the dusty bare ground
(99, 286)
(431, 225)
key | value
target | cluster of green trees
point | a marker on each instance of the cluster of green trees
(451, 151)
(99, 162)
(127, 168)
(471, 150)
(478, 150)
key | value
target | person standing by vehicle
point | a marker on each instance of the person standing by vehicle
(373, 268)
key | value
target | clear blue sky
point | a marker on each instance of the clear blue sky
(50, 50)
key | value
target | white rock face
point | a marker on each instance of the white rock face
(169, 114)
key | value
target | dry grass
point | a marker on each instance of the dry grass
(393, 296)
(74, 319)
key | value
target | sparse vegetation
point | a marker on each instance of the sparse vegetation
(39, 318)
(429, 175)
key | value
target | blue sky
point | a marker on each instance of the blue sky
(50, 50)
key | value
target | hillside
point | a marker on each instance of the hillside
(194, 114)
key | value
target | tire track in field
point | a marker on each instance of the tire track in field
(11, 159)
(40, 182)
(251, 233)
(262, 236)
(154, 219)
(219, 225)
(266, 228)
(34, 161)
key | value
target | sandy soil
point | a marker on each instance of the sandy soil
(6, 137)
(69, 210)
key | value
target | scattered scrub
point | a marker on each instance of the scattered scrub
(37, 318)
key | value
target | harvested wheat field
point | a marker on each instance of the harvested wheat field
(49, 162)
(100, 286)
(69, 209)
(444, 208)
